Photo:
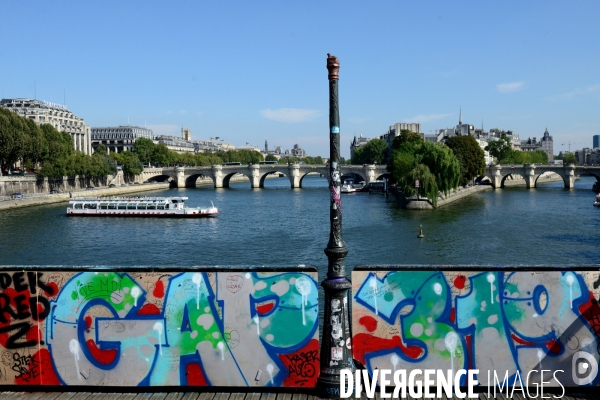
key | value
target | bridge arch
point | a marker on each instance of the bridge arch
(227, 178)
(264, 176)
(356, 175)
(307, 174)
(191, 181)
(537, 177)
(387, 176)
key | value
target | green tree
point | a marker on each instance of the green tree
(470, 156)
(374, 152)
(270, 157)
(144, 148)
(569, 158)
(412, 158)
(427, 183)
(501, 148)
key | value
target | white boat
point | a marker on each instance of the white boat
(597, 202)
(168, 207)
(348, 187)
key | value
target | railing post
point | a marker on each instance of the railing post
(336, 353)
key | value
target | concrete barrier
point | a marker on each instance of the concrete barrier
(202, 326)
(504, 322)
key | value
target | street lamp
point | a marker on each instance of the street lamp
(336, 354)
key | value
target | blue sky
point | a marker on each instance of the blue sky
(251, 71)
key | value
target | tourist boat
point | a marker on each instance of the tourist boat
(169, 207)
(597, 202)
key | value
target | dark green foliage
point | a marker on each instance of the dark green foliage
(414, 159)
(270, 157)
(374, 152)
(525, 157)
(501, 148)
(427, 183)
(569, 158)
(470, 157)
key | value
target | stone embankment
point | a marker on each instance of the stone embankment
(462, 192)
(39, 199)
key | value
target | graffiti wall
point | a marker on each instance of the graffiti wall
(514, 323)
(140, 328)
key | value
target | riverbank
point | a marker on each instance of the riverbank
(30, 200)
(462, 192)
(40, 199)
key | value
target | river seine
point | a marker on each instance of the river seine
(278, 226)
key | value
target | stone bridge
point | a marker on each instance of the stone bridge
(498, 174)
(256, 173)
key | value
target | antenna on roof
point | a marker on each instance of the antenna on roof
(64, 97)
(34, 91)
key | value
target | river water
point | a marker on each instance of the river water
(279, 226)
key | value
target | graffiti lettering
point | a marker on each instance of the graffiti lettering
(513, 322)
(301, 364)
(191, 328)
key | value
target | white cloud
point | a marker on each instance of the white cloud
(169, 112)
(422, 118)
(182, 112)
(577, 92)
(290, 115)
(199, 113)
(510, 87)
(165, 129)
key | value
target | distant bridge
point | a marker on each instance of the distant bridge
(256, 173)
(497, 174)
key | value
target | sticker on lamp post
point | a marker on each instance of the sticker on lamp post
(335, 129)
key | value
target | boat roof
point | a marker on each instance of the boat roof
(129, 199)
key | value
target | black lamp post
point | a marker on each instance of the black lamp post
(336, 353)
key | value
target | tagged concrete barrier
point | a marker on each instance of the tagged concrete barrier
(508, 323)
(202, 326)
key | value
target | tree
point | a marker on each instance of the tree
(270, 157)
(427, 183)
(413, 158)
(569, 158)
(144, 148)
(500, 148)
(470, 156)
(375, 152)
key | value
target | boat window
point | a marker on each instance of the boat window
(112, 206)
(166, 206)
(131, 206)
(174, 201)
(160, 207)
(77, 205)
(90, 206)
(151, 207)
(122, 206)
(141, 206)
(103, 206)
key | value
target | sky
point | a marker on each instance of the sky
(250, 71)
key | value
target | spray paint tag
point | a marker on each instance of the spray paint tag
(335, 129)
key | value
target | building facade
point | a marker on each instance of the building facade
(546, 144)
(394, 131)
(596, 140)
(212, 144)
(176, 143)
(186, 134)
(119, 138)
(356, 143)
(63, 120)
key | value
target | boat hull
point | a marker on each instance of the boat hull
(141, 214)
